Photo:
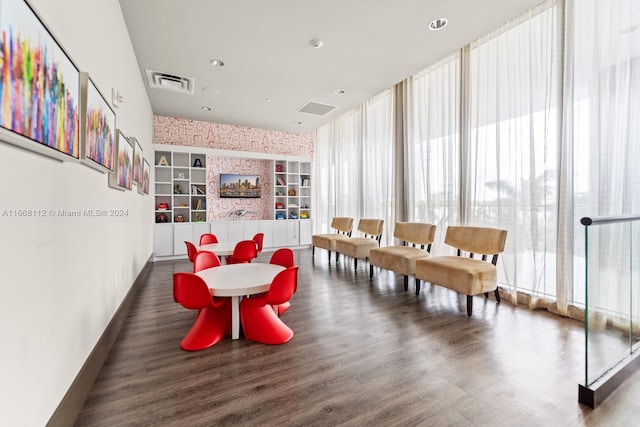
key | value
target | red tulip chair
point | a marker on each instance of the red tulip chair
(259, 322)
(214, 316)
(243, 252)
(258, 238)
(208, 238)
(191, 250)
(283, 257)
(205, 259)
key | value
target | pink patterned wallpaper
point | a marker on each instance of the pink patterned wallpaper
(175, 131)
(183, 132)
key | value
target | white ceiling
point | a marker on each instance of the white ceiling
(369, 46)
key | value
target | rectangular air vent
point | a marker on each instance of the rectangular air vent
(158, 80)
(316, 108)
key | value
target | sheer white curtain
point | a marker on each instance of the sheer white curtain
(433, 142)
(354, 165)
(512, 146)
(602, 127)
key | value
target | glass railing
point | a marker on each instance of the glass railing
(612, 281)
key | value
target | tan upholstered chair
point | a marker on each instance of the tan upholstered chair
(416, 238)
(469, 276)
(359, 247)
(343, 227)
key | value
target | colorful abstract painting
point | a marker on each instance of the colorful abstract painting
(39, 85)
(137, 161)
(99, 127)
(122, 176)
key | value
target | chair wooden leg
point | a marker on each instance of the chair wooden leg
(370, 271)
(486, 294)
(417, 286)
(337, 254)
(313, 251)
(469, 305)
(355, 263)
(406, 283)
(497, 294)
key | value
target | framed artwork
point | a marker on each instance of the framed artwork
(137, 161)
(146, 170)
(122, 177)
(40, 97)
(97, 127)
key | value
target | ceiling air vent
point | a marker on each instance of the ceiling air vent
(316, 108)
(158, 80)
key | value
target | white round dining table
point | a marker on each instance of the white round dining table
(221, 249)
(237, 280)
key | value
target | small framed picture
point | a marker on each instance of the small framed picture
(122, 177)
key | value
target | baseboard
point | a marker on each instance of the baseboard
(595, 393)
(67, 411)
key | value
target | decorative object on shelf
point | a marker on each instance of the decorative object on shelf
(199, 217)
(163, 161)
(240, 213)
(281, 181)
(160, 218)
(279, 215)
(293, 216)
(177, 189)
(179, 218)
(181, 175)
(292, 192)
(304, 215)
(278, 168)
(197, 163)
(279, 205)
(163, 206)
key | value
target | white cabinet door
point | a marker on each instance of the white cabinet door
(219, 228)
(163, 240)
(285, 233)
(251, 228)
(266, 227)
(235, 231)
(306, 230)
(199, 228)
(181, 232)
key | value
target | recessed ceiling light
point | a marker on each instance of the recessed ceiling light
(340, 91)
(216, 63)
(297, 123)
(211, 90)
(438, 24)
(206, 108)
(267, 100)
(316, 43)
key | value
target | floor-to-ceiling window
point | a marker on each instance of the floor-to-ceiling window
(527, 129)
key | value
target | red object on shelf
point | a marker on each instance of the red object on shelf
(278, 168)
(163, 206)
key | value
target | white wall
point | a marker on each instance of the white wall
(62, 279)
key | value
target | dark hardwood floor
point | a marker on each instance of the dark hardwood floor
(365, 352)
